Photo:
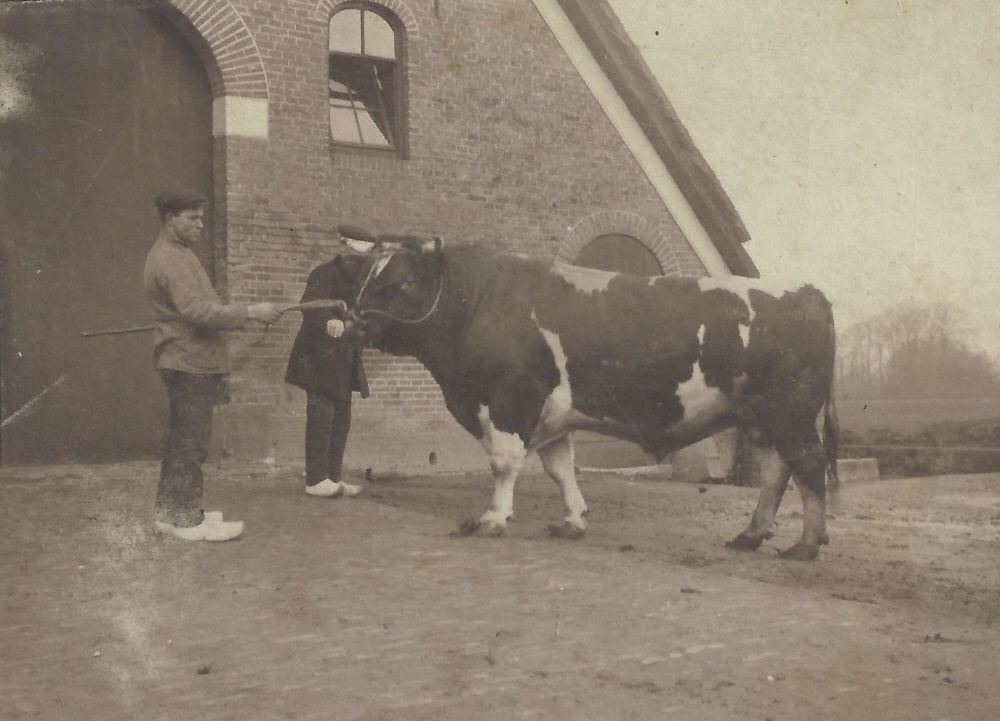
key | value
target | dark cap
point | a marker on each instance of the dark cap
(175, 201)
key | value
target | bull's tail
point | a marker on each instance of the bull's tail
(831, 439)
(831, 426)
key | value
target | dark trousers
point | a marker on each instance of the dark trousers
(328, 421)
(179, 493)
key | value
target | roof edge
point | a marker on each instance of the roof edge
(621, 61)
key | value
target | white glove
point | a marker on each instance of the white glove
(335, 328)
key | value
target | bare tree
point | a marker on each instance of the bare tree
(913, 352)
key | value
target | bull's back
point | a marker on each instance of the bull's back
(651, 353)
(632, 343)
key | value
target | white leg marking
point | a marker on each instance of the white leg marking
(557, 459)
(507, 453)
(767, 468)
(487, 425)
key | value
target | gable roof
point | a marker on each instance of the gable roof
(621, 61)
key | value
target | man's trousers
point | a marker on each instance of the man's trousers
(179, 493)
(328, 422)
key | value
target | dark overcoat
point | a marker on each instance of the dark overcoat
(320, 363)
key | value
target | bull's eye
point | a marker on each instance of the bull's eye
(407, 284)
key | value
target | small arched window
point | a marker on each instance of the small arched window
(621, 254)
(365, 83)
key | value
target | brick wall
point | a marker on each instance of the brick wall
(506, 147)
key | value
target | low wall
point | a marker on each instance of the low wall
(912, 415)
(852, 470)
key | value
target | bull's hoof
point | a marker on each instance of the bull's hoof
(745, 542)
(800, 552)
(490, 530)
(480, 529)
(824, 540)
(472, 527)
(466, 528)
(566, 530)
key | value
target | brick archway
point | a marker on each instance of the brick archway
(325, 9)
(226, 46)
(620, 222)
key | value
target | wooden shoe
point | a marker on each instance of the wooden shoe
(212, 528)
(350, 490)
(333, 489)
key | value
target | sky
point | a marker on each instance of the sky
(858, 139)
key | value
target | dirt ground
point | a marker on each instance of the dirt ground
(369, 608)
(929, 544)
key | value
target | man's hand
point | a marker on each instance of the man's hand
(335, 328)
(263, 313)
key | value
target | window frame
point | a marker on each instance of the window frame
(401, 147)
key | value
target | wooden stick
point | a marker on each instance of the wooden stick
(117, 331)
(321, 304)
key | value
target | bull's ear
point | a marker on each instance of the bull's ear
(432, 246)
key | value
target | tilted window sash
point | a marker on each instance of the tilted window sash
(363, 100)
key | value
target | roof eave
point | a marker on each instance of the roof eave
(622, 63)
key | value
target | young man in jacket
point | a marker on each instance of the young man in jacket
(191, 353)
(329, 369)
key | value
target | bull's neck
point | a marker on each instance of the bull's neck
(433, 340)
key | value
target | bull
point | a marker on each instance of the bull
(526, 352)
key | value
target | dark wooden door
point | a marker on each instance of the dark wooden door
(116, 107)
(621, 254)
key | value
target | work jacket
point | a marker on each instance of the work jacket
(188, 316)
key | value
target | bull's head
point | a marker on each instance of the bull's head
(399, 284)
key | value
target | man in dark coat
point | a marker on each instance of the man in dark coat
(329, 369)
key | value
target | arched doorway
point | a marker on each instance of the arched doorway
(620, 254)
(118, 106)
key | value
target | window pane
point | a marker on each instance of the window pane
(339, 90)
(345, 31)
(343, 126)
(370, 134)
(380, 40)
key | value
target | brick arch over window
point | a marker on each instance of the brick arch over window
(226, 46)
(619, 222)
(326, 8)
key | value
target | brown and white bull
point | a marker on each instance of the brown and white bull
(525, 353)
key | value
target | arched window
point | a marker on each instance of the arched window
(621, 254)
(365, 82)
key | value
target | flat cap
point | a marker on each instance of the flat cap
(175, 201)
